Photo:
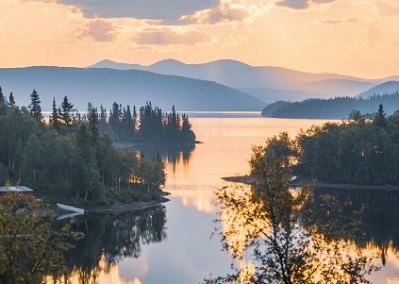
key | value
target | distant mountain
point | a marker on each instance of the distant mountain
(133, 87)
(264, 82)
(114, 65)
(381, 89)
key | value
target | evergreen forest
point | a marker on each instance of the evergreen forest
(359, 150)
(334, 108)
(74, 156)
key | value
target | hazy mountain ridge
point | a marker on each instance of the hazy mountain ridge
(133, 87)
(381, 89)
(264, 82)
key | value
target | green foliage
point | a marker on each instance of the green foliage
(70, 157)
(360, 150)
(34, 107)
(151, 124)
(65, 112)
(29, 247)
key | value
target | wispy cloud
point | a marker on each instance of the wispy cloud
(302, 4)
(332, 21)
(169, 36)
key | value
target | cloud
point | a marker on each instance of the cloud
(101, 31)
(302, 4)
(139, 9)
(388, 8)
(330, 21)
(229, 11)
(224, 12)
(166, 36)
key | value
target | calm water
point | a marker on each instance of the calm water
(173, 244)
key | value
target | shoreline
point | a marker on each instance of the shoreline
(303, 181)
(123, 207)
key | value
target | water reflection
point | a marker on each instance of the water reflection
(378, 217)
(172, 154)
(312, 236)
(111, 238)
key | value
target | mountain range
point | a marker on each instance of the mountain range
(133, 87)
(223, 85)
(263, 82)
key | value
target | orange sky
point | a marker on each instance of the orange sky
(353, 37)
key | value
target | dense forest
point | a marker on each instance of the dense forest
(359, 150)
(335, 108)
(68, 155)
(150, 124)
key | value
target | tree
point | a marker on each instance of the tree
(33, 150)
(11, 100)
(356, 116)
(30, 247)
(94, 124)
(34, 106)
(2, 99)
(379, 118)
(135, 119)
(290, 241)
(127, 127)
(65, 112)
(54, 118)
(115, 120)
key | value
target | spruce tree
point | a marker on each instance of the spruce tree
(34, 107)
(65, 112)
(54, 118)
(380, 119)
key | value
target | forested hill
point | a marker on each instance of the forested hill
(105, 86)
(359, 150)
(336, 108)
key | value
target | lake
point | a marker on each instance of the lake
(175, 243)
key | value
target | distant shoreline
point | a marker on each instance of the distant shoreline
(302, 181)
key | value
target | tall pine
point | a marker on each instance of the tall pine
(34, 106)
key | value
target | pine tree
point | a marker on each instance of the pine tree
(94, 122)
(114, 120)
(380, 119)
(65, 112)
(54, 118)
(34, 107)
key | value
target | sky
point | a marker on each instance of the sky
(350, 37)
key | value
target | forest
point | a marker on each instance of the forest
(361, 150)
(334, 108)
(72, 156)
(149, 124)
